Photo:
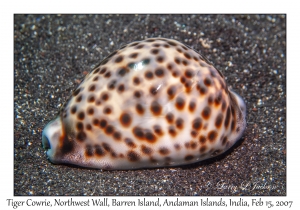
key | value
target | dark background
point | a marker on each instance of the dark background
(52, 53)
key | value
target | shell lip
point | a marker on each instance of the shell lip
(45, 142)
(50, 137)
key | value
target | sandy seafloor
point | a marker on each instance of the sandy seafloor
(52, 53)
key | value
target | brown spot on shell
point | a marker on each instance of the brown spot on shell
(140, 109)
(202, 89)
(183, 79)
(179, 123)
(79, 98)
(96, 78)
(107, 110)
(172, 131)
(179, 103)
(224, 140)
(176, 73)
(193, 144)
(194, 133)
(90, 111)
(136, 81)
(67, 145)
(156, 108)
(122, 71)
(125, 119)
(187, 55)
(112, 84)
(149, 136)
(164, 151)
(160, 59)
(212, 136)
(157, 129)
(197, 123)
(75, 93)
(103, 70)
(185, 62)
(207, 82)
(98, 102)
(159, 72)
(79, 126)
(154, 51)
(91, 98)
(223, 105)
(203, 149)
(109, 129)
(140, 46)
(171, 91)
(219, 120)
(130, 143)
(106, 147)
(96, 122)
(138, 132)
(96, 70)
(133, 55)
(137, 93)
(218, 99)
(119, 59)
(206, 112)
(153, 90)
(121, 88)
(153, 160)
(117, 135)
(189, 73)
(98, 150)
(188, 157)
(177, 146)
(107, 75)
(146, 150)
(172, 43)
(177, 60)
(192, 106)
(80, 115)
(148, 75)
(202, 139)
(89, 150)
(227, 119)
(133, 156)
(103, 123)
(210, 100)
(88, 127)
(170, 66)
(92, 88)
(81, 136)
(232, 125)
(170, 117)
(104, 96)
(73, 109)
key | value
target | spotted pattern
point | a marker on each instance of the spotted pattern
(152, 103)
